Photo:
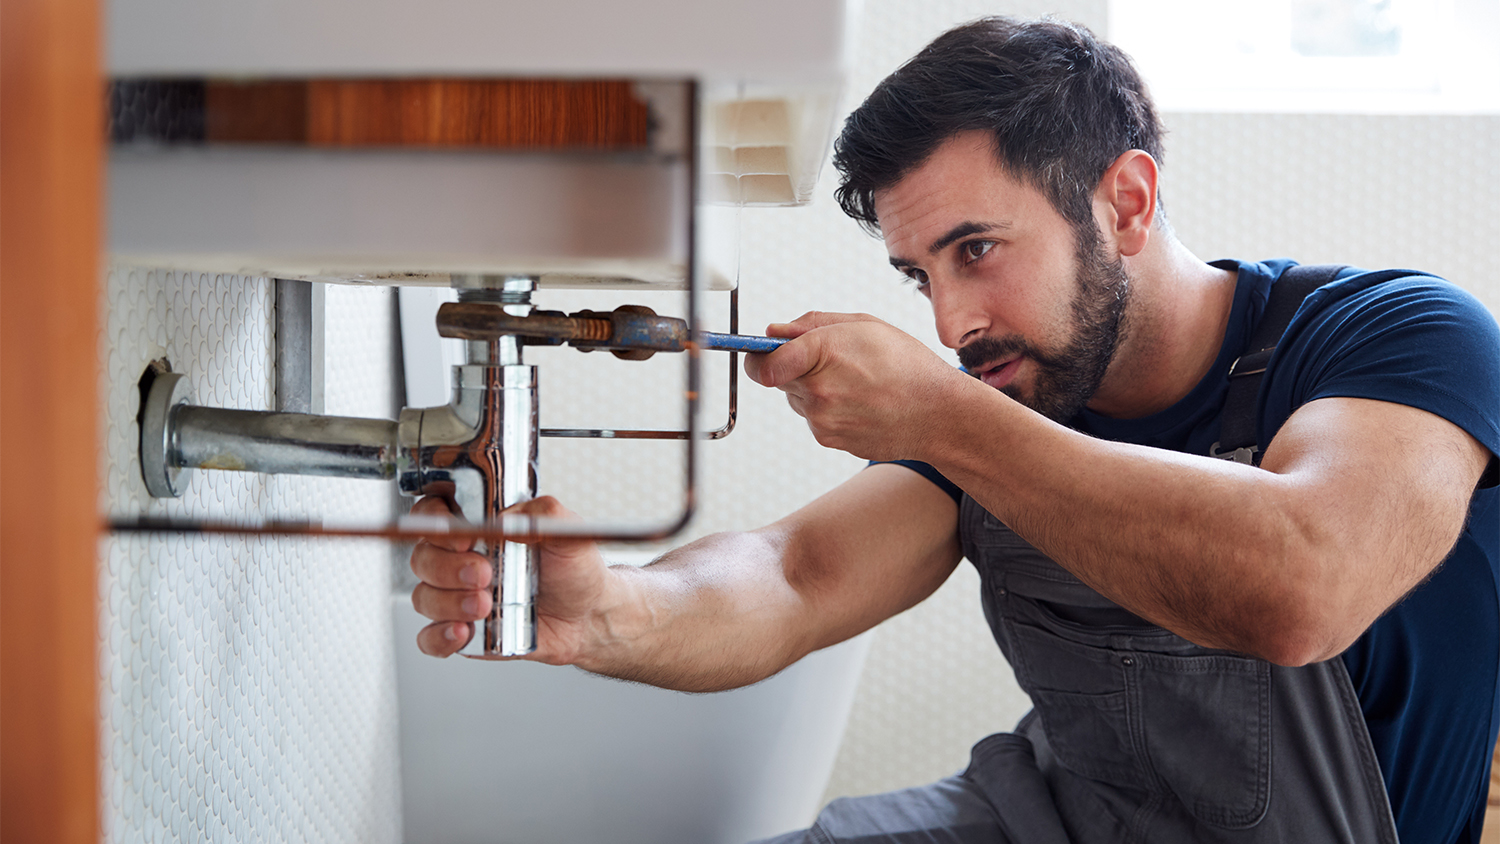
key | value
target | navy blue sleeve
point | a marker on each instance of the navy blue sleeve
(931, 474)
(1414, 340)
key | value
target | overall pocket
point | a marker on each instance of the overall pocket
(1194, 726)
(1080, 695)
(1207, 727)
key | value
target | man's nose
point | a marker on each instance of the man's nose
(957, 314)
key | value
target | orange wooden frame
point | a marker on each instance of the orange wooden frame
(51, 163)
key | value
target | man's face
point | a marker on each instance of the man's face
(1029, 309)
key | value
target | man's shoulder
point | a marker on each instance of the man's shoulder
(1389, 286)
(1398, 304)
(1403, 336)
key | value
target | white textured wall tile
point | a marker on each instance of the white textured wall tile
(1374, 191)
(247, 683)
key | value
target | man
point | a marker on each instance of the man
(1304, 650)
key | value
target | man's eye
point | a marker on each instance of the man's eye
(917, 277)
(975, 249)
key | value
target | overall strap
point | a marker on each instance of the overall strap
(1237, 424)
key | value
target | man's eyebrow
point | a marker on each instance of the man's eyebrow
(958, 232)
(962, 230)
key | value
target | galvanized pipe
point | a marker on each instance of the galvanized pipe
(282, 443)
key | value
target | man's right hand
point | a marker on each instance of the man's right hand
(572, 582)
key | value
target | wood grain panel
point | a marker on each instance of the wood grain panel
(584, 114)
(52, 141)
(535, 114)
(255, 112)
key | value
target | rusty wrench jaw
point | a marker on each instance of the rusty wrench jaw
(633, 332)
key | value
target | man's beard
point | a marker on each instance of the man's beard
(1066, 380)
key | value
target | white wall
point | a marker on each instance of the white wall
(1373, 191)
(247, 685)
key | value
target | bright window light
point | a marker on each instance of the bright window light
(1364, 56)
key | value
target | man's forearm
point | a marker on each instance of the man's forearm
(715, 614)
(1182, 545)
(1289, 563)
(734, 608)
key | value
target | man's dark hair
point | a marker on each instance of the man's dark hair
(1061, 105)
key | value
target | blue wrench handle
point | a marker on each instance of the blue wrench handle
(740, 342)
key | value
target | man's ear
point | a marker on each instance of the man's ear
(1125, 201)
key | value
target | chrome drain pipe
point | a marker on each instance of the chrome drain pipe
(479, 452)
(178, 436)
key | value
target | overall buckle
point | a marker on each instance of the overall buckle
(1239, 455)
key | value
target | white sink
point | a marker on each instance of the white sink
(533, 754)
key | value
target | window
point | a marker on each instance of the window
(1369, 56)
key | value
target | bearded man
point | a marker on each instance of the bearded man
(1300, 644)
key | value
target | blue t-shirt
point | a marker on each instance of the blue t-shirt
(1427, 673)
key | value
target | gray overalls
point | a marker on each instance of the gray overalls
(1137, 734)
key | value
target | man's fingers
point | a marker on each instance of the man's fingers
(547, 507)
(433, 506)
(542, 505)
(813, 319)
(788, 330)
(805, 353)
(450, 604)
(444, 638)
(787, 363)
(447, 569)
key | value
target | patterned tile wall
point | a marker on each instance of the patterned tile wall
(1373, 191)
(247, 684)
